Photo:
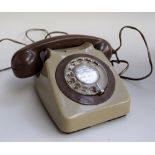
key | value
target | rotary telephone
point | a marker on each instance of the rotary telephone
(75, 78)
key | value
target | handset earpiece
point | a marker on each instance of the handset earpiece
(29, 60)
(26, 63)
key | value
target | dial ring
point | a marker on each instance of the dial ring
(79, 98)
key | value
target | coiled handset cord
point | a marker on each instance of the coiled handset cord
(48, 34)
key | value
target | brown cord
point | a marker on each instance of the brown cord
(36, 29)
(12, 40)
(124, 61)
(55, 32)
(48, 34)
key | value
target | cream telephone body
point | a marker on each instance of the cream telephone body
(68, 114)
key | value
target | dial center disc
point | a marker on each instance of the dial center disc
(86, 74)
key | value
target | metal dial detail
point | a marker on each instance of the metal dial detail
(86, 76)
(83, 73)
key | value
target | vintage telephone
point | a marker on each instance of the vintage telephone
(75, 78)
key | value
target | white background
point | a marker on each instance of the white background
(22, 116)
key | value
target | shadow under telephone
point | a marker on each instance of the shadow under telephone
(75, 78)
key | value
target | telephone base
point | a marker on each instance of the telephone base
(87, 119)
(78, 130)
(68, 115)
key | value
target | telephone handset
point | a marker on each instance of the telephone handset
(76, 80)
(29, 60)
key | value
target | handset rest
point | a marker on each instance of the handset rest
(29, 60)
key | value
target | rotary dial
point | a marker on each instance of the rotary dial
(86, 76)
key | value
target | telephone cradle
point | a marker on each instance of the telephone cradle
(76, 101)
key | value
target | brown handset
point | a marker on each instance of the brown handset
(29, 60)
